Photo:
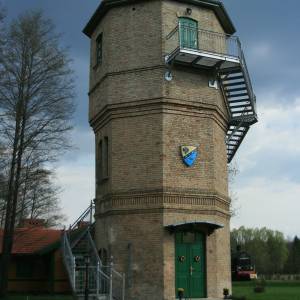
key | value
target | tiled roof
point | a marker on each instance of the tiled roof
(32, 239)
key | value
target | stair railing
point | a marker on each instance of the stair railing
(89, 212)
(117, 285)
(69, 260)
(245, 71)
(104, 280)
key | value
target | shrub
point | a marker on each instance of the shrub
(259, 289)
(260, 285)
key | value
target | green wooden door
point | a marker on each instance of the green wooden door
(190, 264)
(188, 33)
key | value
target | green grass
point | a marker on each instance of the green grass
(275, 290)
(39, 297)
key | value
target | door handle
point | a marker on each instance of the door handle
(191, 270)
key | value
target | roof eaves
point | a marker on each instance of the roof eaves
(216, 5)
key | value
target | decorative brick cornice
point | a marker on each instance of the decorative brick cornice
(158, 106)
(122, 72)
(146, 202)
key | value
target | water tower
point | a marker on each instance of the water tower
(170, 103)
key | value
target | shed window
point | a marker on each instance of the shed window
(24, 268)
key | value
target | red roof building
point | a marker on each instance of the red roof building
(36, 263)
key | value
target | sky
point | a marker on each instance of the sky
(267, 186)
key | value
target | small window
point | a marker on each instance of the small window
(105, 157)
(99, 49)
(102, 171)
(99, 161)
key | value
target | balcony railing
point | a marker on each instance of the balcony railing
(185, 37)
(190, 45)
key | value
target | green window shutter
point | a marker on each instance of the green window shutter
(188, 33)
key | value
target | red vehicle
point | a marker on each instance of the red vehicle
(242, 267)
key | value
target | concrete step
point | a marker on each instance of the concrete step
(94, 297)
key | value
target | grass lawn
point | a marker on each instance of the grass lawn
(275, 290)
(41, 297)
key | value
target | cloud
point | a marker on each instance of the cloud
(268, 184)
(269, 203)
(260, 50)
(76, 174)
(77, 180)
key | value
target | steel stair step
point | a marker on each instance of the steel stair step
(239, 101)
(242, 88)
(238, 95)
(232, 74)
(233, 83)
(239, 106)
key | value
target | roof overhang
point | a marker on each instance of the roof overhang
(216, 5)
(194, 225)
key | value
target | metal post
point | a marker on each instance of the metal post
(74, 272)
(123, 290)
(111, 279)
(179, 35)
(91, 213)
(98, 278)
(86, 291)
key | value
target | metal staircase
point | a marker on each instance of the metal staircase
(237, 89)
(89, 278)
(223, 54)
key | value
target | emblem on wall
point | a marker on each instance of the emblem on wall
(189, 154)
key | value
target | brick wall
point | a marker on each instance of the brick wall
(147, 119)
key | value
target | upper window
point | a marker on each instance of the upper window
(105, 157)
(99, 49)
(99, 161)
(188, 33)
(102, 160)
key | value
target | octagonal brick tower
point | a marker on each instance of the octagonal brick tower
(160, 87)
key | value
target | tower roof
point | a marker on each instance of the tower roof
(216, 5)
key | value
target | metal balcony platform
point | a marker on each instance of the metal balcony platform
(202, 59)
(224, 55)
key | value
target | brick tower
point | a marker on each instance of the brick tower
(170, 102)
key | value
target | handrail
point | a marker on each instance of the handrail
(206, 40)
(248, 81)
(69, 259)
(169, 35)
(189, 38)
(88, 211)
(109, 282)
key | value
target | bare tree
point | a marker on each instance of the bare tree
(36, 106)
(39, 198)
(232, 173)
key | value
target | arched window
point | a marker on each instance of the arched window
(188, 33)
